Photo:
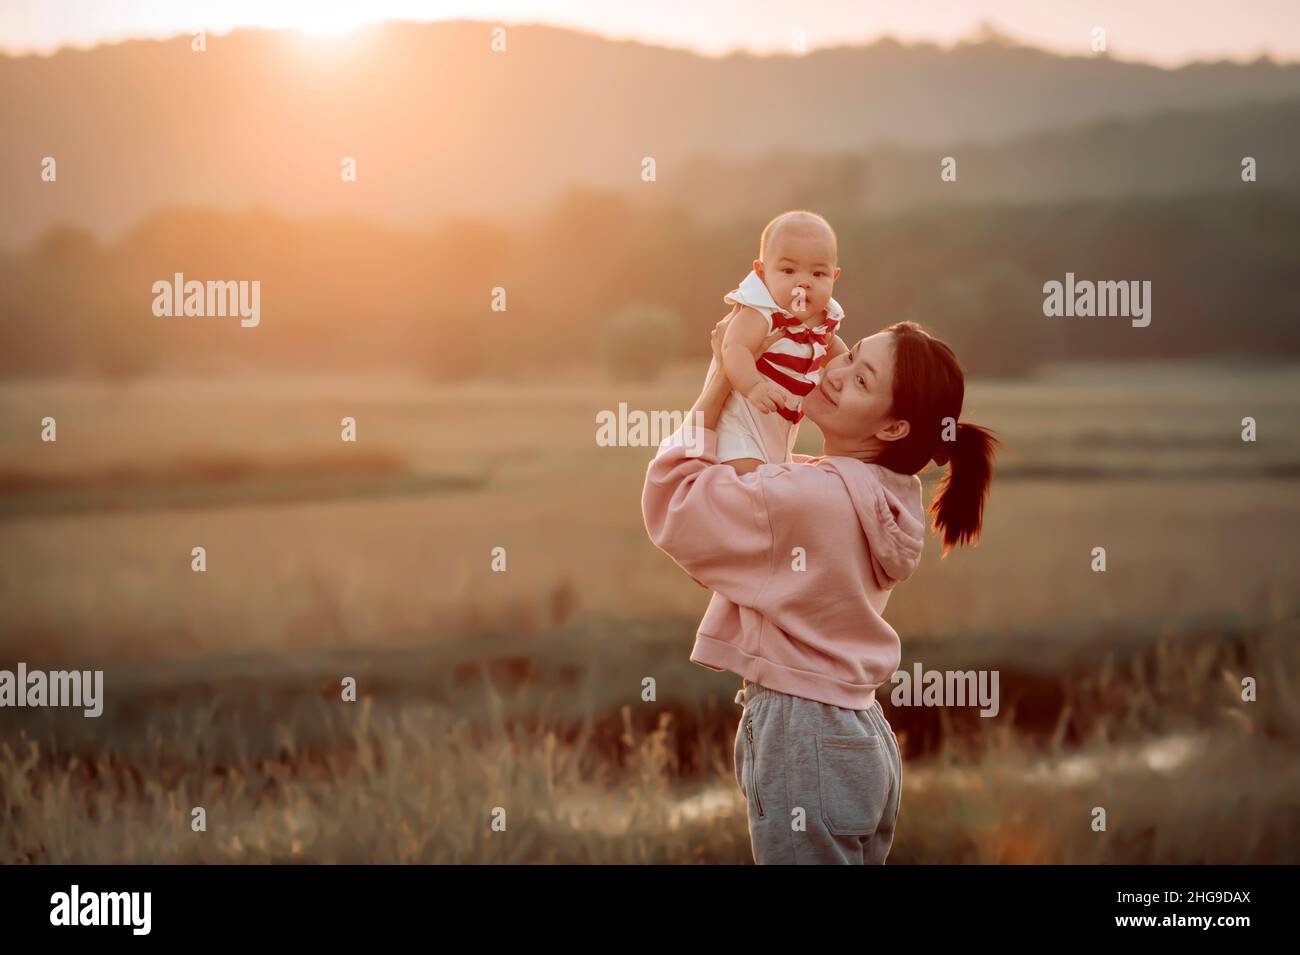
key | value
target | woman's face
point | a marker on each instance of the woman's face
(851, 405)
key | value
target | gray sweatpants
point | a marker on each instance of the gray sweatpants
(822, 783)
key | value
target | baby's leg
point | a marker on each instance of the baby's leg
(774, 436)
(739, 441)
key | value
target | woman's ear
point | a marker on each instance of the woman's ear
(894, 431)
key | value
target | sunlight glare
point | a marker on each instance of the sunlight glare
(326, 22)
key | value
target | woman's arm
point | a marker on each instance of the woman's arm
(710, 520)
(708, 406)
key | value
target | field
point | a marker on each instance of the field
(522, 690)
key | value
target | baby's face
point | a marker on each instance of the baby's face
(800, 256)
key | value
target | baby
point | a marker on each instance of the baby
(788, 292)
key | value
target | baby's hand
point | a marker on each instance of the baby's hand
(768, 396)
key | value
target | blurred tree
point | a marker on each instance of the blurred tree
(465, 349)
(122, 346)
(991, 315)
(640, 339)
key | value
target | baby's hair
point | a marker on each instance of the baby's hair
(770, 228)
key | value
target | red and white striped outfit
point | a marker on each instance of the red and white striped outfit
(793, 362)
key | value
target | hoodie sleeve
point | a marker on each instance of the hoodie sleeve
(710, 520)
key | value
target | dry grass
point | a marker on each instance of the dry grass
(415, 771)
(521, 690)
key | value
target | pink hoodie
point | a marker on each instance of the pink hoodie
(815, 632)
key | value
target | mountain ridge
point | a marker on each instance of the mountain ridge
(439, 125)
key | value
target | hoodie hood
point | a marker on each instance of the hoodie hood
(890, 513)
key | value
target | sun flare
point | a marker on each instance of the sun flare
(326, 22)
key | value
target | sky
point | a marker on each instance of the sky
(1167, 32)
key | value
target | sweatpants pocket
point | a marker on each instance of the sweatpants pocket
(740, 756)
(752, 762)
(853, 779)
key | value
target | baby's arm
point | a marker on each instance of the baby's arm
(745, 339)
(836, 349)
(740, 349)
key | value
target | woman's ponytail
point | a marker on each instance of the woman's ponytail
(929, 390)
(958, 505)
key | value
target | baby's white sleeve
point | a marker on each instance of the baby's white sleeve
(734, 297)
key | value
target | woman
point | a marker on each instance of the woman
(801, 558)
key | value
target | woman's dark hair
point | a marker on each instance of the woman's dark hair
(929, 388)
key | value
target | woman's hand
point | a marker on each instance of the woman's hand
(708, 406)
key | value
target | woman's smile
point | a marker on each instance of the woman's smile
(826, 392)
